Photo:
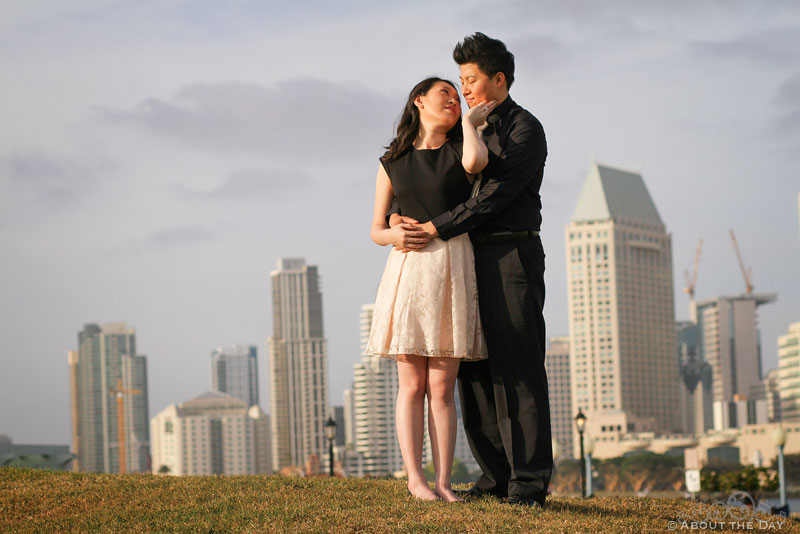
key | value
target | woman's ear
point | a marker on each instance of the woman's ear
(418, 101)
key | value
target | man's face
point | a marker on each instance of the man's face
(476, 86)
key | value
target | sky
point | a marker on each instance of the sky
(157, 158)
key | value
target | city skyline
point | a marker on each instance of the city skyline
(153, 173)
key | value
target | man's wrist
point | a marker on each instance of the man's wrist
(430, 228)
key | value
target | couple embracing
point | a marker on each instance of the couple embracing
(463, 290)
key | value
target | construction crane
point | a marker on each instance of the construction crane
(692, 280)
(120, 393)
(747, 273)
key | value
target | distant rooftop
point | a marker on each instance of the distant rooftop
(610, 193)
(760, 298)
(212, 396)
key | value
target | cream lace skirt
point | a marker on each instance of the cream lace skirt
(427, 304)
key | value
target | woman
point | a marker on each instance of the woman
(426, 310)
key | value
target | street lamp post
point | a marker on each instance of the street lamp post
(779, 437)
(589, 446)
(580, 422)
(330, 433)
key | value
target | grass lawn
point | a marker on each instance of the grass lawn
(38, 501)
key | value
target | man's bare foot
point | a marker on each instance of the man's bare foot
(422, 491)
(447, 495)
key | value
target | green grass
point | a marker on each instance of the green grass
(37, 501)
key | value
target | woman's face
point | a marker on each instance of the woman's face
(440, 105)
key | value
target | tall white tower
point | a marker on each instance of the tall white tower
(374, 395)
(623, 364)
(298, 367)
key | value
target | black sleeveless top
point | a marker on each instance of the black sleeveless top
(429, 182)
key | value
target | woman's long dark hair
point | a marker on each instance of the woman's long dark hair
(408, 125)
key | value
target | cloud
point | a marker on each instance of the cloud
(298, 120)
(788, 93)
(181, 235)
(251, 184)
(754, 49)
(787, 98)
(541, 52)
(50, 182)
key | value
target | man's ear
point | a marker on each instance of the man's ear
(499, 79)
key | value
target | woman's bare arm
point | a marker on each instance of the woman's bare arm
(404, 235)
(475, 155)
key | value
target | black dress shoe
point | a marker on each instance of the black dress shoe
(519, 500)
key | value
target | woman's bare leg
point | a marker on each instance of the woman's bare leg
(442, 421)
(412, 372)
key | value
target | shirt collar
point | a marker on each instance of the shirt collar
(501, 110)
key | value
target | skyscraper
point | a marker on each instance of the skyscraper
(694, 389)
(298, 366)
(374, 398)
(105, 360)
(731, 346)
(561, 414)
(234, 370)
(621, 308)
(262, 440)
(374, 395)
(789, 366)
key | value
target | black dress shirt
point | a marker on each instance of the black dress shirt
(509, 196)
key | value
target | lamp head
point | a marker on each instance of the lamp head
(580, 421)
(779, 436)
(330, 429)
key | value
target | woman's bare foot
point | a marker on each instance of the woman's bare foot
(447, 495)
(422, 491)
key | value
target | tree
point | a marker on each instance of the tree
(753, 480)
(567, 477)
(610, 473)
(164, 470)
(644, 471)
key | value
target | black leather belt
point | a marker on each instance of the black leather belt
(499, 237)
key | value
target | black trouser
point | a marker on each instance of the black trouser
(504, 399)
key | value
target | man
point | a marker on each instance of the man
(505, 405)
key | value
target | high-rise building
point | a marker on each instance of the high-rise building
(104, 371)
(694, 388)
(621, 308)
(298, 367)
(262, 440)
(370, 407)
(374, 396)
(768, 390)
(561, 417)
(208, 435)
(337, 414)
(731, 346)
(234, 370)
(349, 417)
(789, 371)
